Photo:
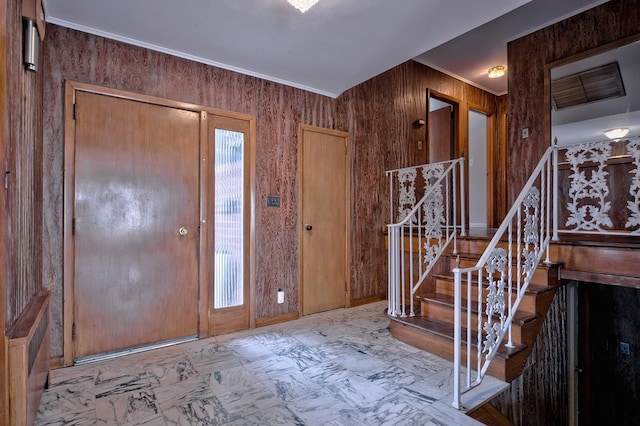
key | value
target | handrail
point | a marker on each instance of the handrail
(503, 265)
(432, 221)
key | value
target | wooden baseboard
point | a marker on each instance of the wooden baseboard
(56, 362)
(262, 322)
(367, 300)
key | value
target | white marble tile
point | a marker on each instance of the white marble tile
(291, 385)
(126, 408)
(317, 408)
(334, 368)
(198, 411)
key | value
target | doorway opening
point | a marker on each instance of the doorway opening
(478, 171)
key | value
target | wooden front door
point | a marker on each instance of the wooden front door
(324, 214)
(136, 207)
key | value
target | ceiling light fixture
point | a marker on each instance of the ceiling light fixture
(497, 71)
(616, 133)
(302, 5)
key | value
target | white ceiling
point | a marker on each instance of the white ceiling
(334, 46)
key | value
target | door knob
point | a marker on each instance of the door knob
(308, 227)
(183, 231)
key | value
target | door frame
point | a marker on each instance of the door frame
(491, 149)
(347, 278)
(205, 230)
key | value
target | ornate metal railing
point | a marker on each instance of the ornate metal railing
(500, 279)
(604, 192)
(423, 229)
(590, 188)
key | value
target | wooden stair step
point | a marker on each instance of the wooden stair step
(445, 330)
(440, 308)
(534, 298)
(436, 337)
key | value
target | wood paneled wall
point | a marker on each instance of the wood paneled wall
(278, 110)
(21, 159)
(540, 395)
(378, 114)
(527, 57)
(23, 173)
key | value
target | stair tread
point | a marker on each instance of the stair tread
(521, 317)
(533, 287)
(444, 329)
(476, 256)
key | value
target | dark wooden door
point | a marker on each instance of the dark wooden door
(440, 135)
(136, 206)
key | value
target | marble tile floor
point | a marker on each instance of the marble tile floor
(334, 368)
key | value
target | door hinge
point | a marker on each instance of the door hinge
(73, 226)
(74, 110)
(73, 331)
(6, 179)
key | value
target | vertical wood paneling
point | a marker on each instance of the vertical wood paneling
(278, 109)
(378, 115)
(527, 57)
(4, 140)
(23, 169)
(540, 395)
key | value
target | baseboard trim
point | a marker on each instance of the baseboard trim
(367, 300)
(262, 322)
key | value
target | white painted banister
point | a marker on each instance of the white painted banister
(506, 267)
(423, 229)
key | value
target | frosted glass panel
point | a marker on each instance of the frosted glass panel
(228, 265)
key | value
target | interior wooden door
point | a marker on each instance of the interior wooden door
(136, 217)
(440, 135)
(324, 213)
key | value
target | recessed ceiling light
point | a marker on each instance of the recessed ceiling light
(616, 133)
(497, 71)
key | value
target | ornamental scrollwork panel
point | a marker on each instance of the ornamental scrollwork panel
(496, 303)
(433, 212)
(588, 205)
(633, 149)
(531, 236)
(407, 192)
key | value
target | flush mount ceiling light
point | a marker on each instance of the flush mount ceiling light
(616, 133)
(497, 71)
(302, 5)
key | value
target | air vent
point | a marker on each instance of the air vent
(592, 85)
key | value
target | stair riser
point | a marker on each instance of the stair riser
(528, 304)
(444, 313)
(541, 275)
(443, 347)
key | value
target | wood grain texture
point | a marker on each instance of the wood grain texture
(527, 57)
(378, 115)
(4, 141)
(23, 172)
(539, 395)
(279, 110)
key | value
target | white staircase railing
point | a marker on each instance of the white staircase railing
(502, 274)
(423, 229)
(506, 267)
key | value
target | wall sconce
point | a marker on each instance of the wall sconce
(497, 71)
(31, 44)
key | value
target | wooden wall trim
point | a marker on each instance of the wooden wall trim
(263, 322)
(4, 372)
